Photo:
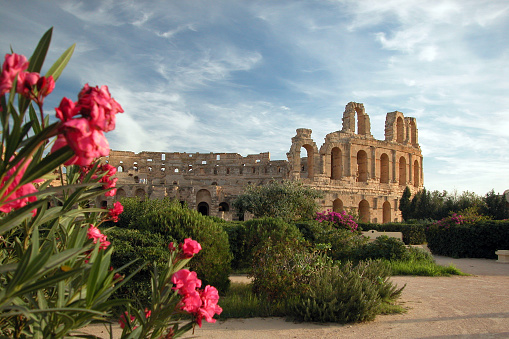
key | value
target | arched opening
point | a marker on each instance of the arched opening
(104, 204)
(140, 193)
(386, 212)
(384, 169)
(203, 208)
(400, 133)
(120, 194)
(402, 171)
(364, 211)
(307, 167)
(203, 201)
(120, 168)
(337, 205)
(362, 166)
(223, 207)
(361, 123)
(416, 173)
(336, 166)
(136, 179)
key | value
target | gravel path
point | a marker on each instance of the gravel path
(475, 306)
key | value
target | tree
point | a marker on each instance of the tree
(404, 203)
(495, 206)
(289, 200)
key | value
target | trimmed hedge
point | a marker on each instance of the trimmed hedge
(413, 234)
(479, 240)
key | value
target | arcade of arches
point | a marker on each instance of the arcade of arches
(355, 171)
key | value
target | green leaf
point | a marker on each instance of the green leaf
(37, 59)
(14, 218)
(60, 64)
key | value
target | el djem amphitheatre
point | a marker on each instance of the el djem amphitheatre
(352, 169)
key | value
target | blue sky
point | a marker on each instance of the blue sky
(242, 76)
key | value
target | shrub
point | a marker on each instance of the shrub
(146, 247)
(479, 240)
(237, 239)
(344, 294)
(384, 247)
(340, 220)
(175, 223)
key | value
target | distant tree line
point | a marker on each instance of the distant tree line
(436, 205)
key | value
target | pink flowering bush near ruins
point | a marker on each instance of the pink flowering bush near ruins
(55, 259)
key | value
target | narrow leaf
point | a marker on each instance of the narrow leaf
(60, 64)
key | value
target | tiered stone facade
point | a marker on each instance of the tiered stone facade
(354, 171)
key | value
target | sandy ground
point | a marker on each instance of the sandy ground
(475, 306)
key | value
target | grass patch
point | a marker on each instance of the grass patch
(422, 268)
(241, 302)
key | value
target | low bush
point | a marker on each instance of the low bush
(384, 247)
(413, 234)
(344, 294)
(476, 240)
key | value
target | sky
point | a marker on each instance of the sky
(241, 76)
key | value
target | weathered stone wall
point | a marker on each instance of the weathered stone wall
(354, 171)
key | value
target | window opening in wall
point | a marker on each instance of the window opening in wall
(337, 205)
(336, 168)
(163, 156)
(150, 169)
(384, 169)
(307, 166)
(364, 211)
(257, 160)
(254, 170)
(149, 159)
(120, 169)
(104, 204)
(163, 169)
(203, 208)
(362, 166)
(402, 171)
(121, 162)
(214, 183)
(400, 133)
(190, 168)
(176, 170)
(386, 212)
(227, 171)
(223, 207)
(190, 155)
(136, 180)
(204, 162)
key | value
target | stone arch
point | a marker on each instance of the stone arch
(308, 166)
(384, 168)
(336, 163)
(203, 201)
(120, 194)
(364, 211)
(140, 193)
(402, 171)
(416, 173)
(203, 208)
(362, 166)
(386, 208)
(224, 207)
(353, 110)
(400, 130)
(337, 205)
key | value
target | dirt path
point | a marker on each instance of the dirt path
(475, 306)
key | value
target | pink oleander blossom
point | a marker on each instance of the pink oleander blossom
(87, 143)
(95, 234)
(12, 66)
(15, 194)
(185, 281)
(338, 219)
(122, 321)
(116, 211)
(97, 105)
(190, 247)
(209, 297)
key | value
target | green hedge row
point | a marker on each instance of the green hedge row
(413, 234)
(479, 240)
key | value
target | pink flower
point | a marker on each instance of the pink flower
(12, 66)
(97, 105)
(26, 82)
(171, 247)
(148, 313)
(185, 282)
(209, 297)
(116, 211)
(15, 194)
(191, 302)
(33, 86)
(66, 110)
(122, 321)
(95, 234)
(190, 247)
(87, 143)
